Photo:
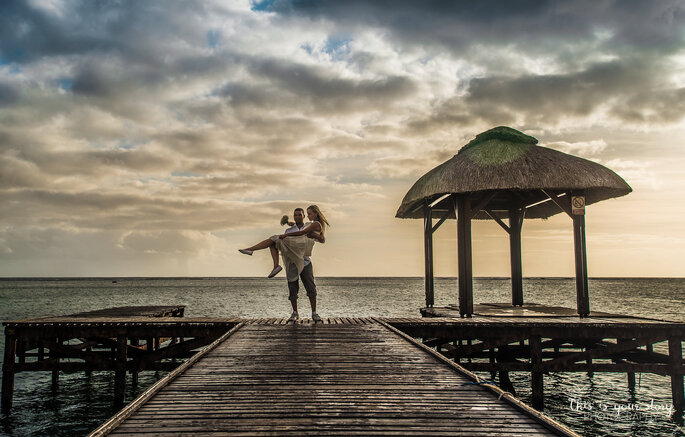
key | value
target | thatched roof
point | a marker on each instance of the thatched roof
(503, 158)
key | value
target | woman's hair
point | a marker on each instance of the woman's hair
(319, 217)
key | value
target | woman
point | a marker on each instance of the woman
(294, 246)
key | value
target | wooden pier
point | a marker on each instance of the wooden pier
(343, 377)
(362, 375)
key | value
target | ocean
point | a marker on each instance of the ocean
(597, 405)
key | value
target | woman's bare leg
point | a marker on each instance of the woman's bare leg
(274, 254)
(261, 245)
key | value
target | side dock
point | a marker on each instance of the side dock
(539, 339)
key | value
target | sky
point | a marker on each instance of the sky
(157, 138)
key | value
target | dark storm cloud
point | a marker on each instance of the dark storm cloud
(91, 80)
(141, 31)
(33, 164)
(632, 89)
(28, 33)
(317, 84)
(8, 94)
(541, 23)
(576, 92)
(287, 83)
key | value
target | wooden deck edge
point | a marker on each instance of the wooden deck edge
(597, 314)
(138, 402)
(545, 420)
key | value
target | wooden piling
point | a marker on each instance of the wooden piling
(120, 372)
(134, 372)
(55, 372)
(21, 351)
(675, 352)
(536, 374)
(88, 372)
(504, 381)
(589, 363)
(8, 372)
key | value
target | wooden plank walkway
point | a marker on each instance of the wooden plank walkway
(346, 376)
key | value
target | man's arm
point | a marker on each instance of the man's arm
(313, 228)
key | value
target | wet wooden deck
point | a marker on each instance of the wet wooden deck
(351, 376)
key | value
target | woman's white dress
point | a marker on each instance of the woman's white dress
(293, 250)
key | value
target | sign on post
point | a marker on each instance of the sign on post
(578, 205)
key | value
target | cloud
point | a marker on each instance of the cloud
(401, 166)
(8, 94)
(156, 125)
(583, 148)
(188, 243)
(636, 173)
(539, 25)
(623, 92)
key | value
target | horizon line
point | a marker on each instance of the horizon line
(326, 277)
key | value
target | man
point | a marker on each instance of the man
(307, 274)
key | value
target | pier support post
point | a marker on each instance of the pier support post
(89, 372)
(589, 363)
(134, 373)
(493, 374)
(536, 376)
(465, 269)
(120, 372)
(428, 251)
(630, 375)
(504, 381)
(21, 351)
(55, 372)
(8, 372)
(675, 352)
(515, 224)
(582, 294)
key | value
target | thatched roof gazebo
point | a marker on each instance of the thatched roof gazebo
(503, 174)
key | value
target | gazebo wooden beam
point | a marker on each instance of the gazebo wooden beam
(555, 198)
(498, 220)
(580, 249)
(464, 255)
(428, 252)
(482, 203)
(516, 216)
(444, 217)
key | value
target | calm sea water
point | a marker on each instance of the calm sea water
(598, 405)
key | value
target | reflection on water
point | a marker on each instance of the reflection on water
(81, 403)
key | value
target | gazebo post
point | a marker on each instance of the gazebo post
(428, 250)
(464, 260)
(515, 224)
(582, 293)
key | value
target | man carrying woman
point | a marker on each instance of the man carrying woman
(295, 247)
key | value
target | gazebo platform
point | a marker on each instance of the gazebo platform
(532, 310)
(535, 338)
